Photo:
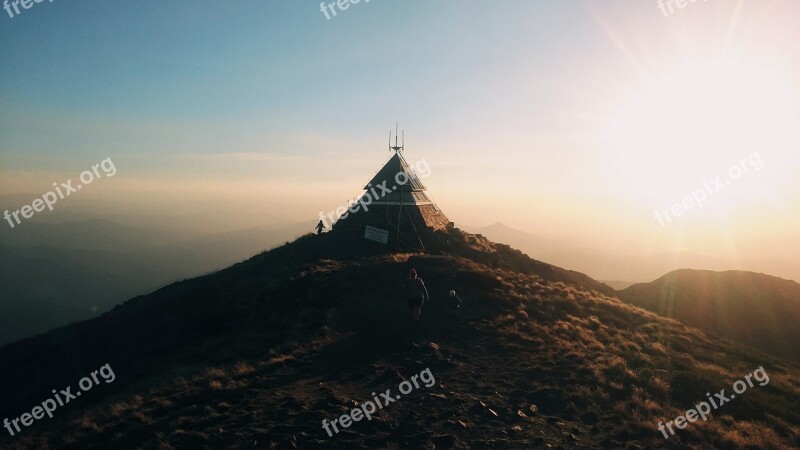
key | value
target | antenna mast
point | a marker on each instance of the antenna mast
(397, 147)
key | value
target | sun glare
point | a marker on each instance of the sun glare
(697, 121)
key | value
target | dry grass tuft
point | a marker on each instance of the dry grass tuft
(242, 368)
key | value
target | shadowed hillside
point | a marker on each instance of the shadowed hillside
(754, 309)
(259, 354)
(56, 274)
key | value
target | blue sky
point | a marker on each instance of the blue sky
(577, 117)
(257, 68)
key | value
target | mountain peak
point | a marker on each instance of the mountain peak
(259, 354)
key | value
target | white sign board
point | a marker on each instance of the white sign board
(376, 234)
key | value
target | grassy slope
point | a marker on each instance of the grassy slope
(257, 355)
(754, 309)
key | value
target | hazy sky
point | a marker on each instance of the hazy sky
(575, 118)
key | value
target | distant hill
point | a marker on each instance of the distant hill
(624, 264)
(258, 354)
(754, 309)
(45, 287)
(57, 273)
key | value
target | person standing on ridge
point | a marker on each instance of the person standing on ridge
(415, 294)
(320, 226)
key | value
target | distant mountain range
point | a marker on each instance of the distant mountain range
(57, 273)
(624, 267)
(760, 311)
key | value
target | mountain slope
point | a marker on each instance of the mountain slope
(754, 309)
(257, 355)
(55, 274)
(612, 263)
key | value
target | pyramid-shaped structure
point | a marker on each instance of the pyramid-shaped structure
(395, 201)
(411, 192)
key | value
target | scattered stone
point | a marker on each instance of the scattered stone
(477, 408)
(287, 444)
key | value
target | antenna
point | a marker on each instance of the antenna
(397, 148)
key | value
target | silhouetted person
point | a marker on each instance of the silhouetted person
(320, 226)
(455, 301)
(415, 294)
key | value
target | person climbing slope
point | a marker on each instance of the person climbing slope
(455, 301)
(415, 294)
